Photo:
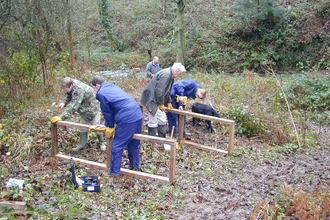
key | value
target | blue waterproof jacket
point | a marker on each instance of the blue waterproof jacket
(117, 106)
(186, 87)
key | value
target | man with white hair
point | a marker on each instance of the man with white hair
(157, 95)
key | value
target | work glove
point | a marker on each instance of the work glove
(182, 99)
(161, 107)
(55, 119)
(169, 106)
(177, 98)
(109, 132)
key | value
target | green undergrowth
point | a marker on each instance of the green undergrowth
(263, 132)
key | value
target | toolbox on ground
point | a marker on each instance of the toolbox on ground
(85, 183)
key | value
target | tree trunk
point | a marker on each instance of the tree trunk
(181, 33)
(69, 31)
(104, 13)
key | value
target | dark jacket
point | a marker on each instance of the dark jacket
(158, 90)
(117, 106)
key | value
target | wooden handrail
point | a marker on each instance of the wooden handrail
(181, 140)
(161, 140)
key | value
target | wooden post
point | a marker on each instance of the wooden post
(181, 128)
(108, 151)
(172, 162)
(54, 140)
(231, 138)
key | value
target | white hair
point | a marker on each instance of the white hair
(179, 66)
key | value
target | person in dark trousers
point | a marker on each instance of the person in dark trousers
(180, 92)
(80, 98)
(152, 67)
(123, 119)
(157, 94)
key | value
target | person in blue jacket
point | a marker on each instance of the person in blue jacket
(180, 92)
(123, 119)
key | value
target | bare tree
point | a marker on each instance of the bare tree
(104, 13)
(180, 57)
(69, 34)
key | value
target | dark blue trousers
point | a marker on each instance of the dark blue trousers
(123, 138)
(172, 119)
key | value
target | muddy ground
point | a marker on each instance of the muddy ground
(235, 192)
(207, 185)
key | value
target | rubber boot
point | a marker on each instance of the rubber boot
(83, 141)
(102, 143)
(162, 131)
(151, 131)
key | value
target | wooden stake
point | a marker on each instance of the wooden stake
(15, 206)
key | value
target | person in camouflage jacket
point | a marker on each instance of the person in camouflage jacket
(80, 98)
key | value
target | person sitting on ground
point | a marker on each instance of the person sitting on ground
(123, 119)
(80, 98)
(152, 67)
(157, 94)
(180, 92)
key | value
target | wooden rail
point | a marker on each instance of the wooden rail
(142, 137)
(172, 142)
(181, 140)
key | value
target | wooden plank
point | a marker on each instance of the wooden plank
(73, 124)
(122, 170)
(160, 140)
(144, 175)
(14, 206)
(202, 116)
(197, 115)
(86, 162)
(205, 147)
(142, 137)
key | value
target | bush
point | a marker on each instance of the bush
(246, 123)
(310, 95)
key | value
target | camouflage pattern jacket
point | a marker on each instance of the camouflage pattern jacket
(80, 99)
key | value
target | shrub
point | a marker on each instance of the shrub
(310, 95)
(246, 123)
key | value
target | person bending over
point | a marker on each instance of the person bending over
(123, 119)
(180, 92)
(80, 98)
(156, 95)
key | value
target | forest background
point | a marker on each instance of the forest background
(264, 63)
